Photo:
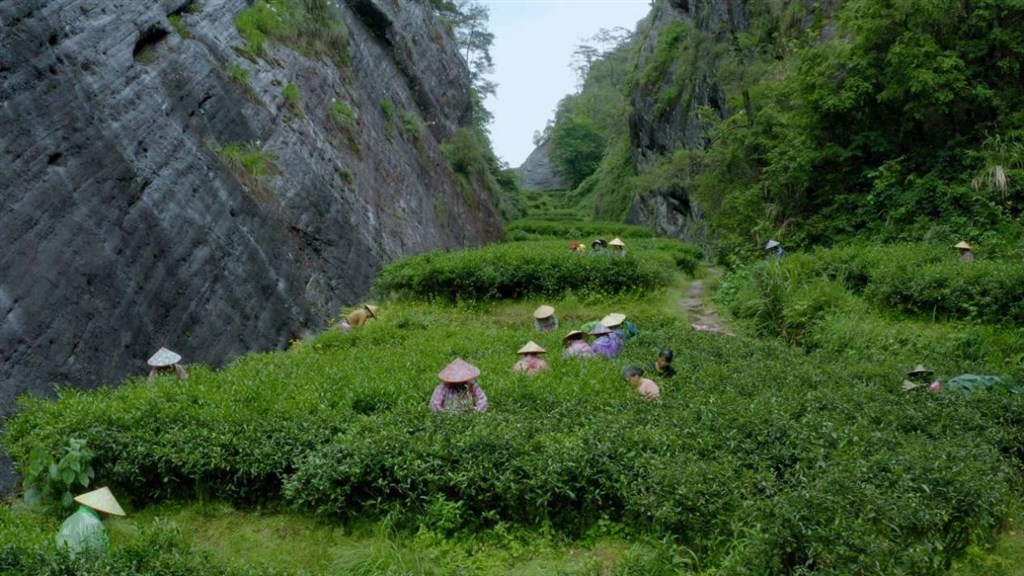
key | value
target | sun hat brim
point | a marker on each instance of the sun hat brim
(163, 357)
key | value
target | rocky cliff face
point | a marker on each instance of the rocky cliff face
(158, 188)
(665, 108)
(537, 171)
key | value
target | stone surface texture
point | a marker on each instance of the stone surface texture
(657, 129)
(537, 171)
(123, 228)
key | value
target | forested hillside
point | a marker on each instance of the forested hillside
(814, 122)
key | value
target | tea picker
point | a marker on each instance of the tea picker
(84, 530)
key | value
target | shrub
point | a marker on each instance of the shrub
(54, 479)
(818, 457)
(583, 231)
(250, 164)
(411, 125)
(515, 271)
(312, 27)
(293, 98)
(342, 114)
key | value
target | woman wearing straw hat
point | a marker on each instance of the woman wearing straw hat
(623, 330)
(531, 362)
(778, 251)
(358, 317)
(618, 246)
(165, 362)
(917, 378)
(965, 251)
(84, 529)
(544, 319)
(458, 390)
(576, 346)
(606, 343)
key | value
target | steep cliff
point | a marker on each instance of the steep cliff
(165, 182)
(676, 95)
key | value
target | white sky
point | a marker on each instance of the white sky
(533, 45)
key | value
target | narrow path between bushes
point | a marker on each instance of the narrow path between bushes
(694, 303)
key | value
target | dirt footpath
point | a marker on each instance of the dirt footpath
(694, 303)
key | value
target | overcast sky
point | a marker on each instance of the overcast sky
(533, 45)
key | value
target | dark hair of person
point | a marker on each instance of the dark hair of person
(666, 353)
(630, 371)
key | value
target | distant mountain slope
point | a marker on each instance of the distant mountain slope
(537, 171)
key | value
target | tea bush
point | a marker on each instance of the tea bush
(584, 231)
(758, 459)
(919, 280)
(513, 271)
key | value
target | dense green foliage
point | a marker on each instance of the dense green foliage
(891, 300)
(52, 479)
(576, 149)
(313, 27)
(592, 125)
(905, 123)
(821, 460)
(519, 270)
(584, 231)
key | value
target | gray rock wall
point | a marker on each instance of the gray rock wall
(537, 171)
(656, 128)
(122, 227)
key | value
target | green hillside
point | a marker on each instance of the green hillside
(761, 457)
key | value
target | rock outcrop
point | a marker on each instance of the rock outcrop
(537, 171)
(166, 184)
(659, 126)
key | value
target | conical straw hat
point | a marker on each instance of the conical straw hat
(616, 242)
(599, 329)
(102, 500)
(771, 244)
(543, 311)
(371, 309)
(919, 369)
(163, 357)
(458, 371)
(612, 320)
(531, 347)
(572, 334)
(962, 244)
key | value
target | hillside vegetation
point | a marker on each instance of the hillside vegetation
(814, 123)
(760, 458)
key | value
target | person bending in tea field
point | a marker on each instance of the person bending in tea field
(83, 531)
(544, 319)
(165, 362)
(358, 317)
(458, 390)
(918, 378)
(575, 345)
(623, 330)
(531, 362)
(965, 251)
(646, 387)
(606, 343)
(663, 365)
